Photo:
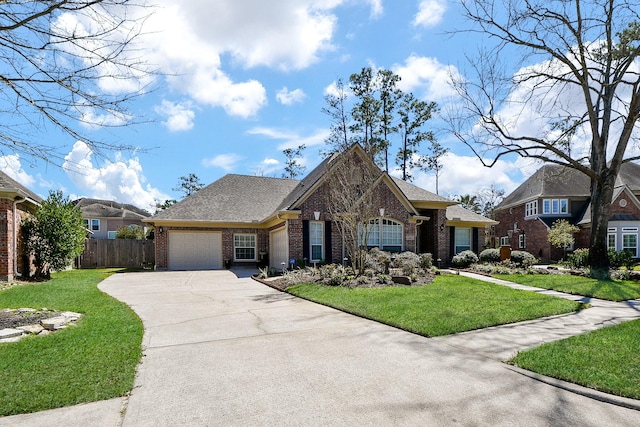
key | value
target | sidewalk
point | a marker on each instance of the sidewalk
(503, 342)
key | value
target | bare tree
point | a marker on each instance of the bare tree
(351, 202)
(585, 78)
(339, 138)
(432, 162)
(67, 65)
(293, 168)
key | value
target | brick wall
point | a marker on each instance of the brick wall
(8, 253)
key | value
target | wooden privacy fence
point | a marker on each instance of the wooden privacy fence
(125, 253)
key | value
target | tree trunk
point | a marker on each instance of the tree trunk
(601, 194)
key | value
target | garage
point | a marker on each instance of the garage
(193, 250)
(278, 248)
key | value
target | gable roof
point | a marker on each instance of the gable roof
(232, 198)
(457, 213)
(98, 208)
(242, 199)
(617, 192)
(11, 188)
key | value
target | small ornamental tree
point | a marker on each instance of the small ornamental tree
(561, 234)
(54, 235)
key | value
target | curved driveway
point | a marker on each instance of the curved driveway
(224, 350)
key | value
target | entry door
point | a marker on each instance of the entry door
(278, 248)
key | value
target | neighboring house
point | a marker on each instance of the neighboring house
(16, 202)
(271, 221)
(557, 192)
(103, 218)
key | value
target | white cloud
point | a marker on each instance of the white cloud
(270, 162)
(471, 178)
(428, 74)
(430, 13)
(376, 8)
(12, 166)
(227, 162)
(290, 97)
(120, 180)
(179, 116)
(291, 139)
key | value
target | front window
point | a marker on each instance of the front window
(522, 241)
(95, 225)
(504, 241)
(611, 238)
(462, 239)
(316, 235)
(112, 234)
(531, 208)
(244, 246)
(555, 206)
(630, 243)
(383, 233)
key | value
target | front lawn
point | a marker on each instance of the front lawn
(94, 360)
(613, 290)
(449, 305)
(606, 359)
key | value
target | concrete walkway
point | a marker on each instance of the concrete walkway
(223, 350)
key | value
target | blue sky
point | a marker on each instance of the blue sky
(246, 79)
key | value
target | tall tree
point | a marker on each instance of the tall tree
(489, 198)
(586, 77)
(188, 185)
(469, 201)
(54, 236)
(413, 114)
(67, 65)
(293, 168)
(336, 108)
(390, 95)
(366, 112)
(432, 162)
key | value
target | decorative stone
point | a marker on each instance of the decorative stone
(71, 316)
(10, 333)
(31, 329)
(401, 280)
(27, 310)
(54, 323)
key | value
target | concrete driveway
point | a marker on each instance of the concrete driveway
(227, 350)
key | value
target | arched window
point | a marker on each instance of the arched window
(383, 233)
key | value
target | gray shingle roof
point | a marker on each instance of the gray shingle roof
(458, 213)
(232, 198)
(98, 208)
(415, 193)
(10, 185)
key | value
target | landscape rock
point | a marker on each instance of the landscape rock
(401, 280)
(9, 333)
(54, 323)
(31, 329)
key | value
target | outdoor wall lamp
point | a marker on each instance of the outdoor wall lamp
(160, 229)
(441, 227)
(381, 211)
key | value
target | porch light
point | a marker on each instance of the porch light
(160, 229)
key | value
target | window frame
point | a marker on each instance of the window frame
(236, 246)
(95, 222)
(111, 233)
(504, 241)
(632, 249)
(555, 206)
(313, 242)
(531, 208)
(388, 233)
(456, 244)
(522, 241)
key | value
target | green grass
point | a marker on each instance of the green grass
(450, 304)
(94, 360)
(613, 290)
(607, 359)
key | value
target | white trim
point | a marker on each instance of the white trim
(312, 244)
(254, 247)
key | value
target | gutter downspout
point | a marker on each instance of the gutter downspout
(15, 235)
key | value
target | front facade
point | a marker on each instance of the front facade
(16, 203)
(555, 192)
(279, 222)
(103, 218)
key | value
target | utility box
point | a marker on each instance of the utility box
(505, 252)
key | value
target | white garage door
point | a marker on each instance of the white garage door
(278, 248)
(192, 250)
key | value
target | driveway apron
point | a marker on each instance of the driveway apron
(227, 350)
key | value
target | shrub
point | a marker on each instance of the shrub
(426, 261)
(378, 260)
(408, 262)
(579, 258)
(464, 259)
(490, 255)
(620, 259)
(523, 259)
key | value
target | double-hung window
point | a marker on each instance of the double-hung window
(630, 240)
(244, 247)
(531, 208)
(611, 238)
(462, 239)
(316, 237)
(95, 225)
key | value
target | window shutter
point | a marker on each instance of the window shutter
(305, 240)
(327, 242)
(452, 241)
(474, 240)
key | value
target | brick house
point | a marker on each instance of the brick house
(258, 220)
(104, 217)
(556, 192)
(16, 202)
